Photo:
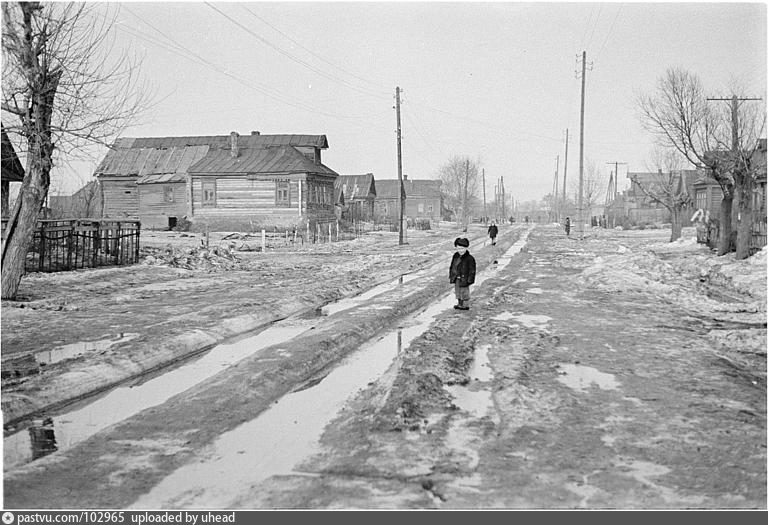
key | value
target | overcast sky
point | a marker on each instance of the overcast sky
(494, 81)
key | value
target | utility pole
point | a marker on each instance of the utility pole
(485, 213)
(565, 166)
(503, 199)
(734, 100)
(399, 167)
(615, 177)
(580, 210)
(554, 202)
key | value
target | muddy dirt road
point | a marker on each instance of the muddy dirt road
(567, 385)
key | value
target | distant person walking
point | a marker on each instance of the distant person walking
(568, 226)
(493, 231)
(462, 272)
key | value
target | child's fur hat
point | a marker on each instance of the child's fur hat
(461, 241)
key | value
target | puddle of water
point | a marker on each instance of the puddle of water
(519, 280)
(79, 424)
(534, 290)
(351, 302)
(289, 431)
(481, 366)
(529, 321)
(49, 357)
(479, 404)
(583, 377)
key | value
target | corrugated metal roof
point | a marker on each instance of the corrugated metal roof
(244, 141)
(149, 161)
(281, 159)
(161, 178)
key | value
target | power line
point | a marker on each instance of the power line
(618, 12)
(310, 51)
(261, 88)
(597, 19)
(290, 56)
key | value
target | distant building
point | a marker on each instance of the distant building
(423, 199)
(356, 195)
(640, 208)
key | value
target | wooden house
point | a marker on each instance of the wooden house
(641, 208)
(12, 171)
(356, 194)
(219, 182)
(423, 199)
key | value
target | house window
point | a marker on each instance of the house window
(168, 193)
(430, 209)
(209, 193)
(282, 193)
(701, 200)
(421, 207)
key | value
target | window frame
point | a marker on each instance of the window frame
(283, 193)
(208, 185)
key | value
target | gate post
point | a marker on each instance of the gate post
(42, 246)
(96, 244)
(70, 234)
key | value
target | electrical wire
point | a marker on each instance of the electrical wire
(312, 52)
(291, 57)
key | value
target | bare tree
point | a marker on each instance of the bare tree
(667, 186)
(709, 137)
(459, 177)
(62, 90)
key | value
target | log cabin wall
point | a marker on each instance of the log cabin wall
(161, 206)
(120, 197)
(253, 202)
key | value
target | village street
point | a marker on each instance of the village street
(617, 371)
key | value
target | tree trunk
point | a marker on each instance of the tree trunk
(724, 236)
(20, 229)
(744, 217)
(34, 188)
(677, 224)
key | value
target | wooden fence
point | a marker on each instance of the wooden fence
(60, 245)
(758, 239)
(710, 235)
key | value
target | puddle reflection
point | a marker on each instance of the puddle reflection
(91, 416)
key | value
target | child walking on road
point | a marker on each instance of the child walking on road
(462, 272)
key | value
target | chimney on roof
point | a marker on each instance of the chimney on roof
(255, 132)
(233, 143)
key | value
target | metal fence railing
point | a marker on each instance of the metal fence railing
(60, 245)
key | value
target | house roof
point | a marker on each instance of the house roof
(12, 169)
(161, 178)
(356, 186)
(279, 159)
(150, 161)
(424, 188)
(222, 141)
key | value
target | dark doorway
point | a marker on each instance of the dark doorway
(171, 223)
